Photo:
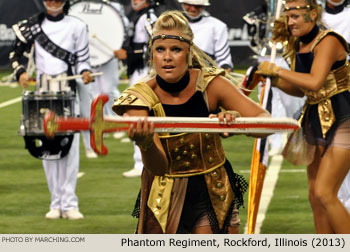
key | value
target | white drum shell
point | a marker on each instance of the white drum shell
(106, 29)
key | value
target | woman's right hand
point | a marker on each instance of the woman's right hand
(23, 80)
(269, 69)
(227, 117)
(142, 133)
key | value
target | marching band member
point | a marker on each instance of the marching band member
(108, 82)
(320, 71)
(187, 184)
(336, 16)
(61, 46)
(137, 58)
(210, 34)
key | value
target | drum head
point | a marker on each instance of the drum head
(106, 29)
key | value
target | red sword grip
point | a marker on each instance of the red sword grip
(54, 124)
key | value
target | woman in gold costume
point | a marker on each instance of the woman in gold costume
(187, 185)
(320, 70)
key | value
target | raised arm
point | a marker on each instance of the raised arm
(222, 93)
(326, 53)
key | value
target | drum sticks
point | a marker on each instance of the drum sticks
(72, 77)
(109, 47)
(102, 42)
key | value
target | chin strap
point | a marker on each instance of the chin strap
(336, 3)
(191, 17)
(136, 6)
(56, 10)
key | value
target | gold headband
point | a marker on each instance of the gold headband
(297, 8)
(163, 36)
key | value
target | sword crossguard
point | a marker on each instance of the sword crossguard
(97, 124)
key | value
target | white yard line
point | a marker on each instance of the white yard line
(9, 102)
(281, 171)
(270, 181)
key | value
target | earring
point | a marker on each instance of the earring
(189, 58)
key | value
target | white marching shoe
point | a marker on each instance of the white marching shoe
(119, 135)
(90, 154)
(132, 173)
(72, 214)
(53, 214)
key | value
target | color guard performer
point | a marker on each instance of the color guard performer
(319, 70)
(187, 184)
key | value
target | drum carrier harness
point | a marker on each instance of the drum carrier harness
(39, 145)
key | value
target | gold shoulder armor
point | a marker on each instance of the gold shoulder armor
(331, 32)
(207, 75)
(126, 101)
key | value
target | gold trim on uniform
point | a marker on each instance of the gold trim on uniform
(188, 154)
(337, 81)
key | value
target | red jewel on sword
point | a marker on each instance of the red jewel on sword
(97, 124)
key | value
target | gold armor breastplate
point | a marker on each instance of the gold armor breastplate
(193, 154)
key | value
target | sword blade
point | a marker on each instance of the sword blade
(210, 125)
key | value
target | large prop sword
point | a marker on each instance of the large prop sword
(97, 124)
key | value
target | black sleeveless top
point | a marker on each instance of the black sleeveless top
(193, 107)
(340, 102)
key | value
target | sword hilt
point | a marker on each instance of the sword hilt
(54, 124)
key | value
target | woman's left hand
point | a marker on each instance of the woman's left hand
(227, 117)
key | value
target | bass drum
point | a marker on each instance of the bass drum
(106, 29)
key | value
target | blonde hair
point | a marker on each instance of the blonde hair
(175, 20)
